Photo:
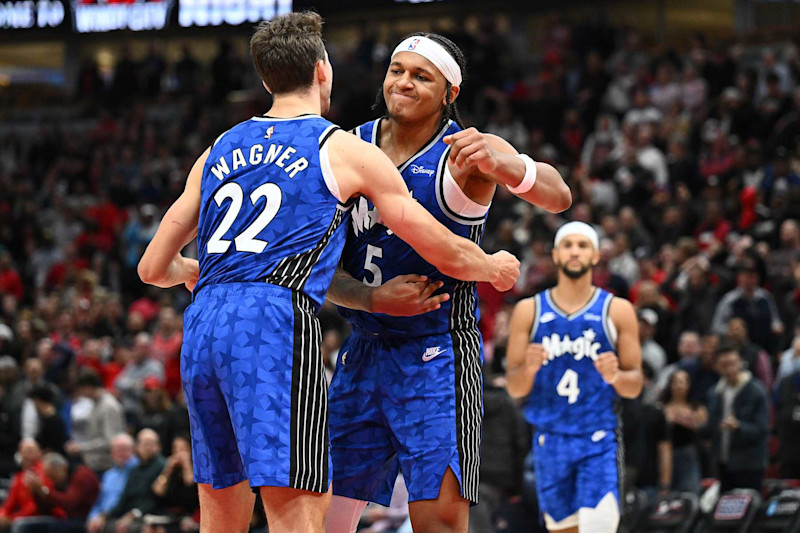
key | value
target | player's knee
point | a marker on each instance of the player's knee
(604, 518)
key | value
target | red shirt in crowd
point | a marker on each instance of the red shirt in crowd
(11, 283)
(20, 501)
(78, 496)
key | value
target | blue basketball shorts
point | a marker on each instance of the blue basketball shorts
(576, 471)
(410, 404)
(255, 387)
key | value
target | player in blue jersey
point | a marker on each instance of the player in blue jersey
(407, 392)
(573, 350)
(269, 201)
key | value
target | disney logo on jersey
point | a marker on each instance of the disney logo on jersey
(583, 346)
(419, 169)
(364, 218)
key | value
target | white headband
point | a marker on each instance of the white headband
(435, 53)
(577, 228)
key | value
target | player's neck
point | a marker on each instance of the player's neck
(402, 140)
(294, 104)
(572, 294)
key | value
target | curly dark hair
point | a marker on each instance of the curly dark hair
(286, 49)
(450, 111)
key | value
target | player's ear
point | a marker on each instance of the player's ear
(266, 86)
(319, 71)
(454, 91)
(596, 258)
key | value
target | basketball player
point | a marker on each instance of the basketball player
(406, 394)
(574, 350)
(268, 203)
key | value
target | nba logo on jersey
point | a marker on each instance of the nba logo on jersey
(413, 44)
(269, 133)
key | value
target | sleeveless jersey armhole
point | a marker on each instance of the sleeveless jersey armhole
(325, 163)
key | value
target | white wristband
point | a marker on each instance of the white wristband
(530, 176)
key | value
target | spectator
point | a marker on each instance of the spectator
(137, 498)
(20, 401)
(689, 350)
(703, 370)
(74, 490)
(10, 280)
(738, 422)
(652, 354)
(167, 347)
(154, 410)
(753, 304)
(20, 502)
(692, 289)
(113, 482)
(788, 425)
(141, 365)
(756, 360)
(790, 359)
(685, 418)
(9, 420)
(177, 501)
(52, 434)
(105, 420)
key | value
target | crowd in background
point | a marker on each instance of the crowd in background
(685, 159)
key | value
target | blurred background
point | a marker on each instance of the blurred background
(676, 125)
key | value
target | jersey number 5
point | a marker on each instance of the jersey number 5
(246, 241)
(568, 386)
(377, 275)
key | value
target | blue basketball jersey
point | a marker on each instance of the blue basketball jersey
(569, 396)
(267, 212)
(374, 255)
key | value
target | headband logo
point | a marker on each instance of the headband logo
(413, 44)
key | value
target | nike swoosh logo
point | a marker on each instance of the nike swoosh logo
(427, 357)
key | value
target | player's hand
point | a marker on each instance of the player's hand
(535, 356)
(607, 364)
(191, 273)
(470, 148)
(408, 295)
(507, 270)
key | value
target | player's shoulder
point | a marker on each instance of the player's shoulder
(620, 308)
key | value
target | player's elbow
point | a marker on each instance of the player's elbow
(563, 198)
(147, 273)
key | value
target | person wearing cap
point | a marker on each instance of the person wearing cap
(453, 173)
(573, 351)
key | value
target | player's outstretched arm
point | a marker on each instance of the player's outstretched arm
(406, 295)
(162, 265)
(493, 158)
(624, 370)
(523, 358)
(361, 168)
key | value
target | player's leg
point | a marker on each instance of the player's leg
(434, 407)
(599, 483)
(295, 511)
(344, 514)
(216, 461)
(447, 513)
(225, 510)
(364, 459)
(553, 462)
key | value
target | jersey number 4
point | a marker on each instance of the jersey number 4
(568, 386)
(246, 241)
